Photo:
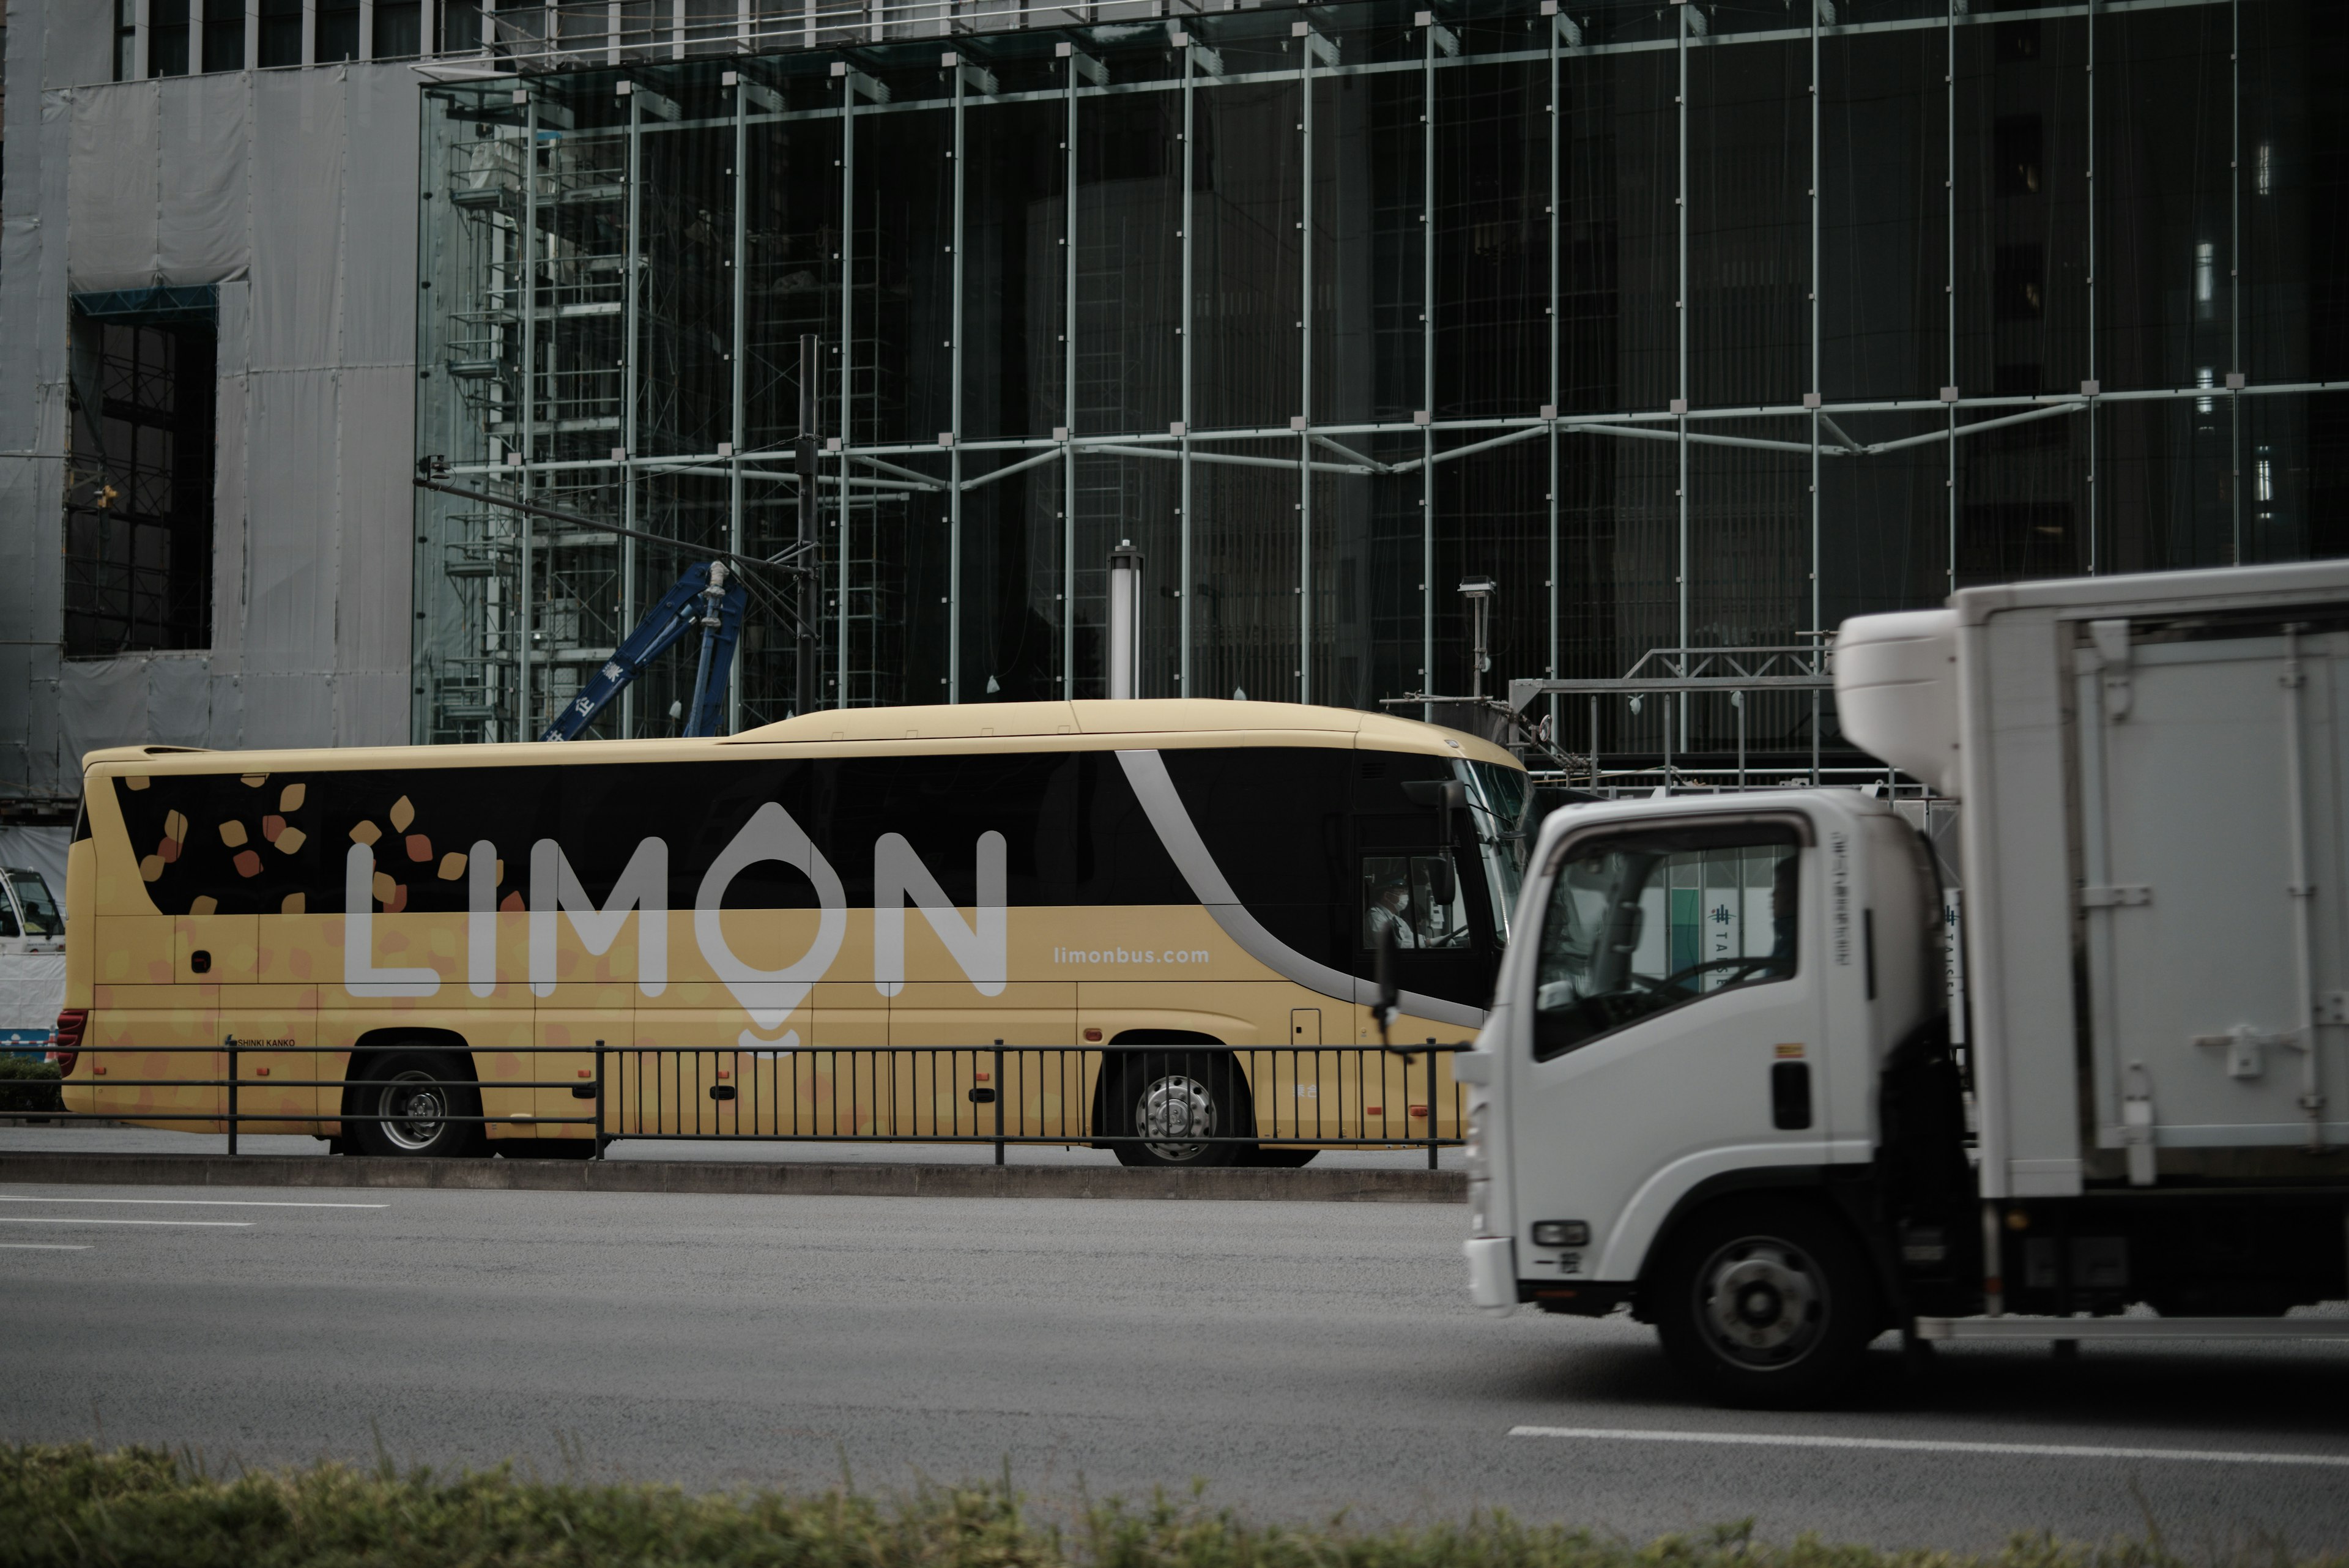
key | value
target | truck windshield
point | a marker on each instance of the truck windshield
(1499, 803)
(41, 917)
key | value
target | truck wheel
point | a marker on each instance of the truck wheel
(417, 1089)
(1162, 1096)
(1766, 1304)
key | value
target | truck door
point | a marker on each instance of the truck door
(1675, 1030)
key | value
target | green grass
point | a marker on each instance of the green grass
(141, 1508)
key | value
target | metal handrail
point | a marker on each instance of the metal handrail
(664, 1100)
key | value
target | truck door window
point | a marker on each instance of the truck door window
(1398, 895)
(41, 917)
(1638, 924)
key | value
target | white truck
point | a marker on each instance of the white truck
(1719, 1086)
(32, 963)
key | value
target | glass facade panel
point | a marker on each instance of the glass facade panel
(1696, 326)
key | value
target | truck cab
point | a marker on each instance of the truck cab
(1684, 1071)
(32, 961)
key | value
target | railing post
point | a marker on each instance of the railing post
(599, 1099)
(999, 1102)
(230, 1042)
(1432, 1106)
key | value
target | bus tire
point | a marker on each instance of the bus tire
(1175, 1091)
(1765, 1303)
(417, 1088)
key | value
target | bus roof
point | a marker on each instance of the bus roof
(1178, 720)
(1199, 716)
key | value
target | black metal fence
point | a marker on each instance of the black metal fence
(1178, 1095)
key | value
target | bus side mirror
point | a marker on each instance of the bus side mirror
(1446, 796)
(1382, 975)
(1440, 880)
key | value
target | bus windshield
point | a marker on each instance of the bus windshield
(1499, 803)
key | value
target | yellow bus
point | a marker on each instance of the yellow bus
(769, 933)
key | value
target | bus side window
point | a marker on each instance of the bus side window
(1399, 896)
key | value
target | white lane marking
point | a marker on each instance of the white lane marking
(198, 1202)
(44, 1247)
(1932, 1446)
(41, 1220)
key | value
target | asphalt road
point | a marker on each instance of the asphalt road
(1300, 1358)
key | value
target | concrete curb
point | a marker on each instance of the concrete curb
(741, 1177)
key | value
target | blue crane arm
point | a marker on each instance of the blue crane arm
(676, 614)
(717, 649)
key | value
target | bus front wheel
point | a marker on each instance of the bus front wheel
(412, 1095)
(1165, 1098)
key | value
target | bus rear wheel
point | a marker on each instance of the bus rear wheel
(1168, 1096)
(414, 1094)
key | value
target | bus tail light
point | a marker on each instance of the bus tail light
(66, 1048)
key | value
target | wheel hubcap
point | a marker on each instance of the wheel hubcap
(1171, 1107)
(1762, 1302)
(418, 1111)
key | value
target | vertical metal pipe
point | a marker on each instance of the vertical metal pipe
(734, 459)
(2093, 509)
(1677, 712)
(2234, 279)
(1069, 397)
(1305, 367)
(954, 417)
(603, 1123)
(1950, 282)
(1182, 583)
(1427, 366)
(1818, 390)
(632, 267)
(808, 591)
(2302, 889)
(1549, 496)
(523, 729)
(847, 437)
(229, 1043)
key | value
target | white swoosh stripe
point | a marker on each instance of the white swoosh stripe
(1155, 788)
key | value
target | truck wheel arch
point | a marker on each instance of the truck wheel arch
(1846, 1194)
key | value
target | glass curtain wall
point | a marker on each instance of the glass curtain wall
(1691, 327)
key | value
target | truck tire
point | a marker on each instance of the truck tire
(1164, 1093)
(1767, 1303)
(417, 1088)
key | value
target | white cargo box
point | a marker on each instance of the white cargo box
(2156, 852)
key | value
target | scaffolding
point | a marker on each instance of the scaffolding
(629, 249)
